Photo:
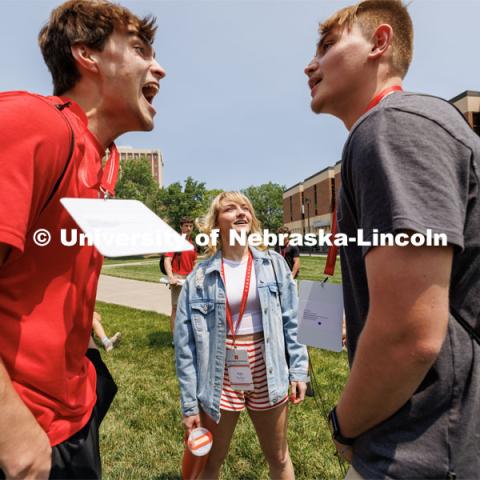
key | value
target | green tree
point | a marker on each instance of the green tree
(208, 199)
(137, 183)
(267, 200)
(175, 201)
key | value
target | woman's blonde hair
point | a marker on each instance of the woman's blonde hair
(210, 221)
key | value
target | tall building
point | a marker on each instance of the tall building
(308, 205)
(154, 156)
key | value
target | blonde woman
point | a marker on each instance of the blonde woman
(236, 340)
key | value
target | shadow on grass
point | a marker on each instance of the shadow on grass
(160, 339)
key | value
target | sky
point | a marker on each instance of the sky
(234, 108)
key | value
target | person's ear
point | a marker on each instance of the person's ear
(381, 40)
(85, 57)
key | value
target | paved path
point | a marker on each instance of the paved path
(134, 293)
(129, 264)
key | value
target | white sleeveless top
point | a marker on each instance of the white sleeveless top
(235, 281)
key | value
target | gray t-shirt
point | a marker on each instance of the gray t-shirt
(412, 163)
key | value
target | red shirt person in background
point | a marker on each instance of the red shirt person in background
(105, 76)
(178, 265)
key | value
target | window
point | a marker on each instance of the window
(315, 201)
(291, 208)
(476, 122)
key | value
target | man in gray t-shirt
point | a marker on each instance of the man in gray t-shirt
(411, 405)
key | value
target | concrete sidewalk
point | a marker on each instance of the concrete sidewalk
(134, 293)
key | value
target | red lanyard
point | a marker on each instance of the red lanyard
(378, 98)
(110, 172)
(243, 304)
(333, 250)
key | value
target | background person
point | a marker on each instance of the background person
(242, 303)
(52, 396)
(291, 253)
(411, 162)
(178, 265)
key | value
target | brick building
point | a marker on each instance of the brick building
(154, 156)
(468, 103)
(308, 205)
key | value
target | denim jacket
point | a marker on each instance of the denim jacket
(200, 332)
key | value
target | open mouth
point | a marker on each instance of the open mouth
(313, 83)
(149, 91)
(241, 222)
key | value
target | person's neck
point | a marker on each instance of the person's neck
(235, 252)
(103, 127)
(363, 98)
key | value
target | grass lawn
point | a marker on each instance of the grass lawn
(141, 436)
(142, 269)
(311, 268)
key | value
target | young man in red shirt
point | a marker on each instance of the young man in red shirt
(409, 168)
(105, 76)
(178, 265)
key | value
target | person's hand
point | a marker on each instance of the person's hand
(344, 452)
(189, 423)
(297, 392)
(25, 451)
(173, 280)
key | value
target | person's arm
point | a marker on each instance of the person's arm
(296, 266)
(24, 447)
(186, 360)
(296, 353)
(403, 334)
(25, 183)
(169, 270)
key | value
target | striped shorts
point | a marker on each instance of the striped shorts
(257, 399)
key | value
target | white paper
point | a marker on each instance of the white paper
(320, 315)
(166, 281)
(121, 228)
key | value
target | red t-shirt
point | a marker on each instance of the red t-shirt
(183, 262)
(47, 294)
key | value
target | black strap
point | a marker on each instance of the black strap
(177, 255)
(60, 108)
(468, 328)
(310, 391)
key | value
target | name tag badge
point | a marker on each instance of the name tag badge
(320, 315)
(239, 370)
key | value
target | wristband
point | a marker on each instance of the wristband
(335, 429)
